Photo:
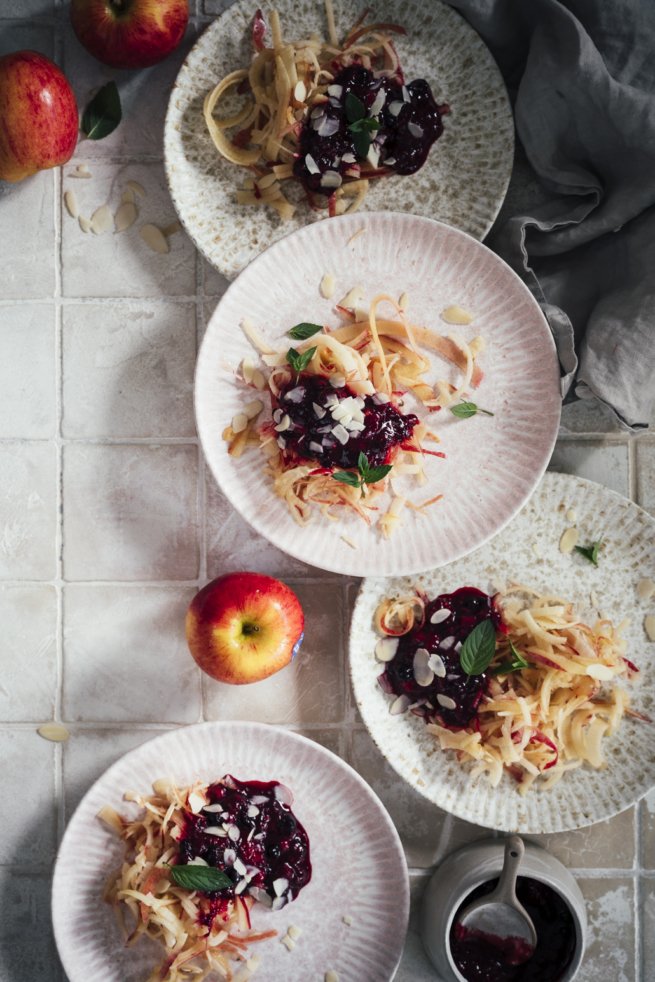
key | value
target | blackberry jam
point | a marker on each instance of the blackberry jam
(249, 831)
(453, 696)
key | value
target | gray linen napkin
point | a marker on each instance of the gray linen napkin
(582, 77)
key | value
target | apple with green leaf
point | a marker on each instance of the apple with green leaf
(130, 33)
(243, 627)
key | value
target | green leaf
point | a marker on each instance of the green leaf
(355, 108)
(364, 126)
(362, 463)
(299, 361)
(515, 665)
(590, 552)
(464, 410)
(303, 331)
(204, 878)
(376, 474)
(103, 113)
(478, 649)
(361, 143)
(347, 477)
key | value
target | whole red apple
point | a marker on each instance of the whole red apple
(130, 33)
(243, 627)
(38, 115)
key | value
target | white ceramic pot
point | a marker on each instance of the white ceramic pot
(464, 870)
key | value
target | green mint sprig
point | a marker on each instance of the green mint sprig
(478, 649)
(515, 664)
(590, 552)
(303, 331)
(365, 475)
(300, 360)
(203, 878)
(464, 410)
(361, 127)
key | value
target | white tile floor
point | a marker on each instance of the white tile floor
(109, 523)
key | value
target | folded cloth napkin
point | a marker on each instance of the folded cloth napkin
(582, 77)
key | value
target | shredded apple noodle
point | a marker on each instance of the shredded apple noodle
(314, 112)
(546, 702)
(201, 938)
(339, 438)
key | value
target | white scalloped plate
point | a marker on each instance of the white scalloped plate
(527, 551)
(358, 866)
(492, 463)
(463, 181)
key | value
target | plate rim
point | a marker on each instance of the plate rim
(356, 569)
(57, 893)
(214, 27)
(423, 790)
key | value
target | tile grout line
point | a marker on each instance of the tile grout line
(637, 893)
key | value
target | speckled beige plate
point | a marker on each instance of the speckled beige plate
(492, 463)
(358, 866)
(463, 182)
(527, 551)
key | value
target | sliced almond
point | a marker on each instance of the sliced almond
(125, 216)
(197, 802)
(102, 220)
(399, 705)
(571, 515)
(288, 942)
(645, 589)
(239, 422)
(54, 732)
(154, 238)
(649, 626)
(171, 229)
(456, 315)
(403, 301)
(347, 919)
(331, 976)
(258, 380)
(601, 672)
(446, 702)
(72, 207)
(253, 409)
(300, 91)
(127, 197)
(568, 540)
(326, 288)
(294, 932)
(80, 171)
(137, 188)
(84, 223)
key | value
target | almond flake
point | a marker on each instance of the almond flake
(233, 833)
(447, 643)
(311, 164)
(102, 220)
(294, 932)
(239, 422)
(154, 238)
(330, 976)
(196, 802)
(403, 299)
(649, 626)
(319, 412)
(446, 702)
(54, 732)
(137, 188)
(240, 887)
(80, 171)
(424, 676)
(229, 857)
(288, 942)
(284, 424)
(437, 664)
(340, 433)
(253, 811)
(125, 216)
(213, 809)
(440, 616)
(197, 861)
(645, 589)
(395, 107)
(72, 207)
(399, 705)
(415, 129)
(326, 288)
(278, 903)
(601, 672)
(386, 648)
(347, 919)
(335, 91)
(172, 229)
(315, 447)
(239, 866)
(300, 91)
(253, 409)
(456, 315)
(84, 223)
(127, 197)
(280, 885)
(216, 830)
(568, 540)
(571, 515)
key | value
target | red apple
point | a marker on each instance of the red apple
(130, 33)
(243, 627)
(38, 115)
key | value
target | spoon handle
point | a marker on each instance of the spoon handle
(506, 889)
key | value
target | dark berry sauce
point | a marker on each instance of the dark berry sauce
(467, 607)
(309, 403)
(409, 123)
(486, 958)
(261, 844)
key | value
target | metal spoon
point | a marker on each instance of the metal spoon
(499, 915)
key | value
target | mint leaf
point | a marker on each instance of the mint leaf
(515, 665)
(362, 462)
(298, 361)
(361, 143)
(590, 552)
(355, 108)
(204, 878)
(303, 331)
(464, 410)
(103, 113)
(364, 126)
(347, 477)
(478, 649)
(376, 474)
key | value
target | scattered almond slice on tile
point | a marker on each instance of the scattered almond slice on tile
(649, 626)
(571, 515)
(171, 229)
(645, 589)
(137, 188)
(102, 220)
(288, 942)
(347, 919)
(568, 540)
(70, 201)
(154, 238)
(80, 171)
(330, 976)
(456, 315)
(294, 932)
(85, 223)
(326, 287)
(54, 732)
(128, 197)
(125, 216)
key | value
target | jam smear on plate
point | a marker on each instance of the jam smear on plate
(409, 120)
(483, 957)
(332, 425)
(453, 696)
(249, 831)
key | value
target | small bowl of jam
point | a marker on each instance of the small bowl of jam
(544, 887)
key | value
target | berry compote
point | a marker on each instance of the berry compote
(486, 958)
(408, 123)
(452, 697)
(317, 421)
(249, 831)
